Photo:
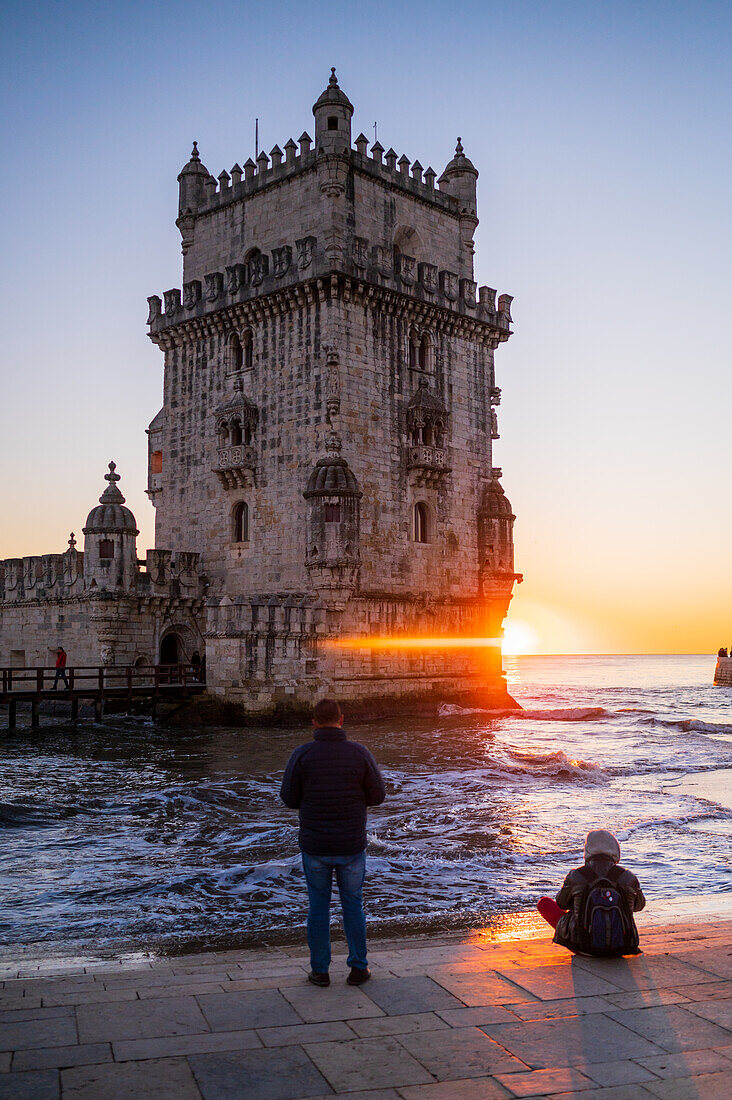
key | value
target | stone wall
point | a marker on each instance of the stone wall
(96, 629)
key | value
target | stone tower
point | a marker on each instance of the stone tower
(325, 438)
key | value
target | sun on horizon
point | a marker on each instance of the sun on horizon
(519, 639)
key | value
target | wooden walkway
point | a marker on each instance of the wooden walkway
(96, 684)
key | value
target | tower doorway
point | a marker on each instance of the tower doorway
(170, 650)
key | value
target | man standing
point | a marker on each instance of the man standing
(60, 668)
(331, 781)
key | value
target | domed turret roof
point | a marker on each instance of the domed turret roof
(332, 476)
(495, 502)
(194, 166)
(110, 516)
(332, 96)
(460, 164)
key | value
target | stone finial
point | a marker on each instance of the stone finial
(391, 159)
(249, 169)
(276, 155)
(290, 152)
(236, 174)
(224, 180)
(459, 148)
(377, 151)
(111, 494)
(194, 152)
(72, 541)
(417, 171)
(210, 187)
(361, 144)
(305, 142)
(429, 177)
(404, 165)
(333, 443)
(262, 162)
(333, 82)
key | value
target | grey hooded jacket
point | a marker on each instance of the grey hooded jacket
(602, 852)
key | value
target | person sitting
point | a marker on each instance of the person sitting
(721, 652)
(593, 912)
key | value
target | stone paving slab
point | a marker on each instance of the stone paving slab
(258, 1075)
(449, 1019)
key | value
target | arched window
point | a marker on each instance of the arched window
(247, 434)
(223, 434)
(156, 462)
(427, 433)
(421, 522)
(241, 522)
(106, 549)
(248, 356)
(236, 432)
(236, 353)
(425, 353)
(414, 347)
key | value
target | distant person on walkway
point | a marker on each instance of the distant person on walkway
(593, 913)
(332, 781)
(196, 665)
(721, 652)
(60, 668)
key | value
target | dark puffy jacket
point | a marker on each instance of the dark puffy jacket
(331, 781)
(571, 896)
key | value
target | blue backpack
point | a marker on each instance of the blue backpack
(606, 927)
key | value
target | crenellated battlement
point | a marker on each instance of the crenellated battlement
(240, 184)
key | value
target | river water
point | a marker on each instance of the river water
(125, 837)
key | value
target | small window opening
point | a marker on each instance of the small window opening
(332, 122)
(106, 549)
(332, 513)
(427, 434)
(236, 433)
(223, 434)
(247, 435)
(241, 522)
(248, 351)
(156, 462)
(421, 516)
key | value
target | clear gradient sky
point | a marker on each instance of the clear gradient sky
(602, 136)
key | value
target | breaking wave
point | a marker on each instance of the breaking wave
(573, 714)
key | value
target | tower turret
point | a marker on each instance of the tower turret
(495, 529)
(460, 179)
(333, 111)
(192, 181)
(333, 521)
(110, 540)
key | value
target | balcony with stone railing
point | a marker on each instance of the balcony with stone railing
(429, 464)
(235, 466)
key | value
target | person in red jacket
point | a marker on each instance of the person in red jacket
(60, 668)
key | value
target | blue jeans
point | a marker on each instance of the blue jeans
(350, 873)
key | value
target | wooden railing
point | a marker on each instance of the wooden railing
(97, 683)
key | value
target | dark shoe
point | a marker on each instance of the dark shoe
(358, 976)
(318, 979)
